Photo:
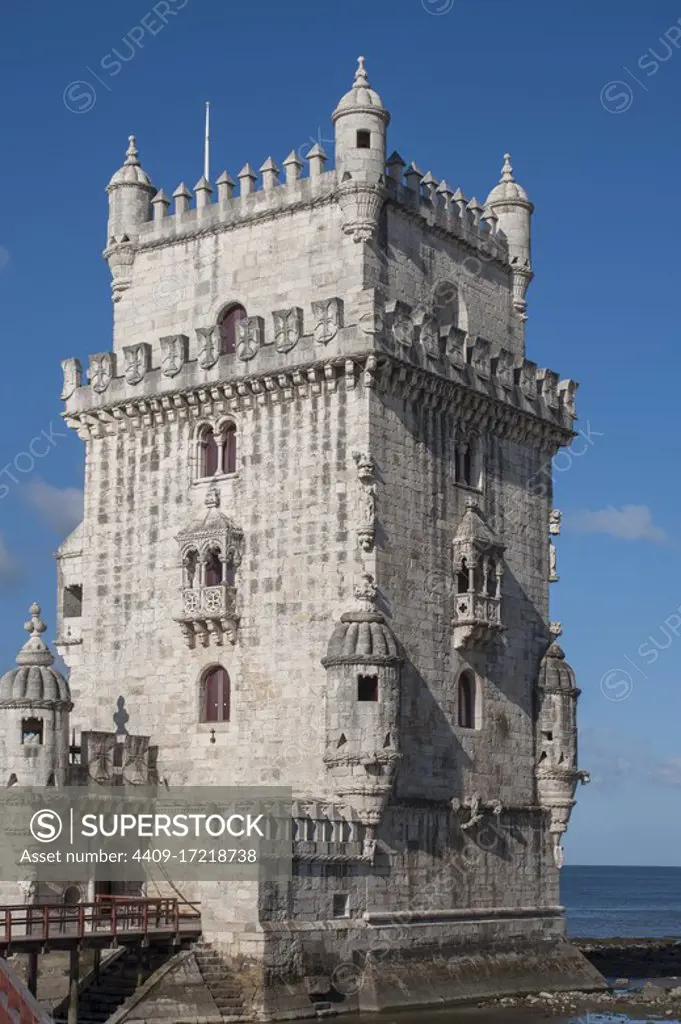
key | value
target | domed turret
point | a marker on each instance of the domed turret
(35, 702)
(360, 122)
(510, 203)
(130, 193)
(556, 770)
(363, 664)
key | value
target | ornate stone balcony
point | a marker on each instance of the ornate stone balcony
(209, 611)
(476, 620)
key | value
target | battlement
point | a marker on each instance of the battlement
(256, 197)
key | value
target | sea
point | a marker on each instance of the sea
(600, 902)
(619, 902)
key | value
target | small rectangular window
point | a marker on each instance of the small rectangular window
(367, 687)
(363, 140)
(340, 904)
(32, 731)
(73, 601)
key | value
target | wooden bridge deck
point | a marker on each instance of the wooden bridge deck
(111, 922)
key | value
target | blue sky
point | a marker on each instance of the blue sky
(465, 80)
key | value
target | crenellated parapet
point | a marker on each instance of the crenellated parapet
(423, 196)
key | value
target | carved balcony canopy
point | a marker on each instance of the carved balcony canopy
(478, 565)
(211, 550)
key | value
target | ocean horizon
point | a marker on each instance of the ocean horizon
(603, 902)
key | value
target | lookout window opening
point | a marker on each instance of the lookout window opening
(73, 601)
(32, 731)
(367, 688)
(340, 904)
(363, 140)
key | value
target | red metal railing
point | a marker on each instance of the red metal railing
(16, 1002)
(108, 915)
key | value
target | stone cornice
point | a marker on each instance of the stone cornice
(479, 405)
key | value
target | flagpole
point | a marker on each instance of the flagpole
(206, 145)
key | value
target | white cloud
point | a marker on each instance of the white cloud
(60, 507)
(631, 522)
(10, 569)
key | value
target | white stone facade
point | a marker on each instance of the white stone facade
(379, 388)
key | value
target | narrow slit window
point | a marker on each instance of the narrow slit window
(466, 701)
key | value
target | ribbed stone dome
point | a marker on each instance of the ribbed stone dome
(361, 96)
(555, 674)
(38, 683)
(34, 679)
(508, 188)
(362, 637)
(131, 172)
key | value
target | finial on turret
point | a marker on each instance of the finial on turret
(361, 77)
(36, 624)
(507, 170)
(132, 153)
(35, 651)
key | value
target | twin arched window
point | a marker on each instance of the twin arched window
(228, 325)
(211, 571)
(215, 695)
(217, 452)
(466, 711)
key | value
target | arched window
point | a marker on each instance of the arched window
(215, 688)
(213, 575)
(227, 325)
(466, 698)
(208, 453)
(228, 440)
(491, 578)
(463, 578)
(230, 572)
(191, 565)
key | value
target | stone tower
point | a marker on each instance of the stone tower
(35, 703)
(315, 553)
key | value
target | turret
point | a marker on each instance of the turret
(556, 769)
(509, 201)
(35, 703)
(360, 122)
(130, 193)
(363, 671)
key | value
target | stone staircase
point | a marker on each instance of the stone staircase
(220, 979)
(118, 980)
